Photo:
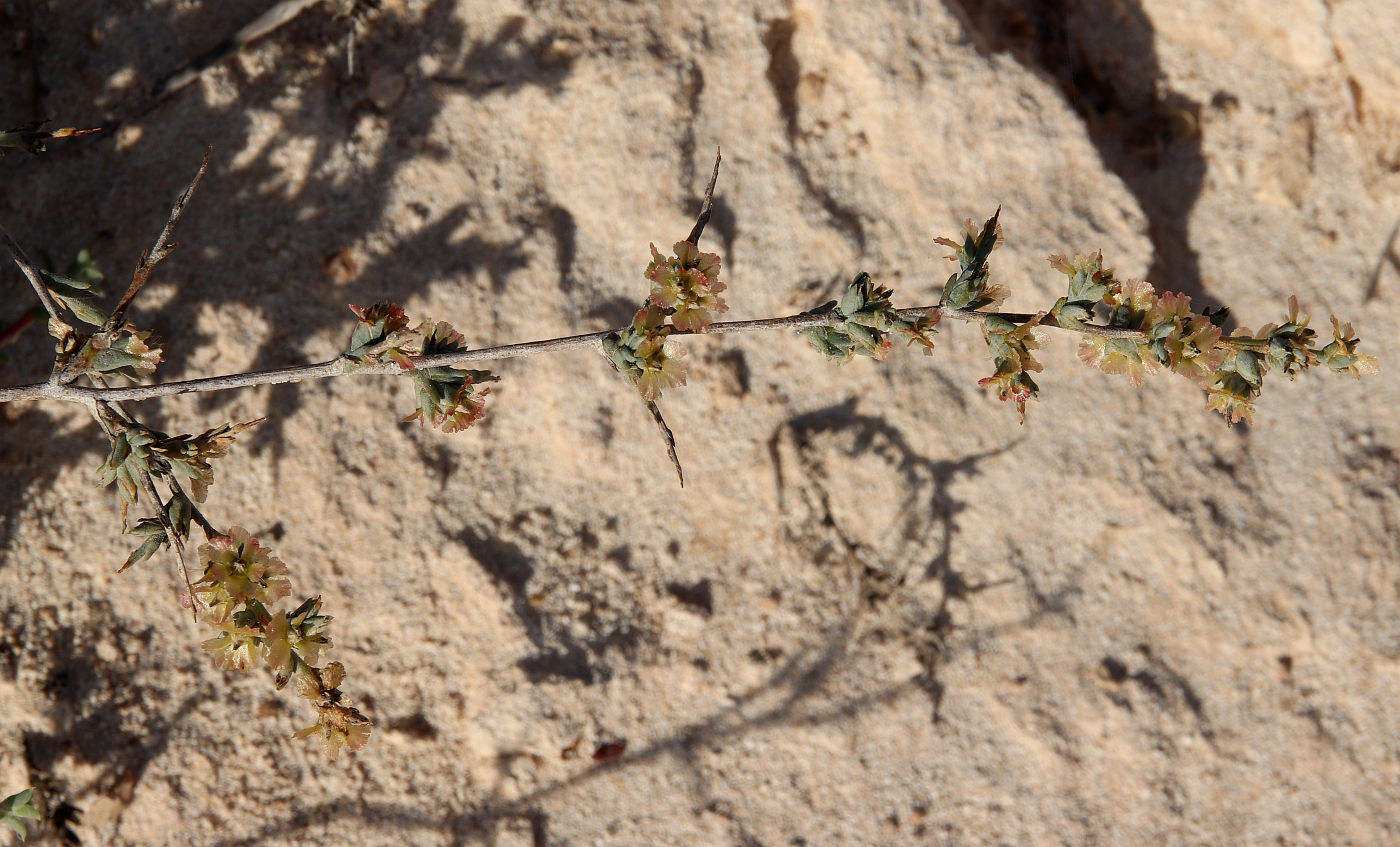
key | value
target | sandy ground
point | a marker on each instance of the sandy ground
(881, 611)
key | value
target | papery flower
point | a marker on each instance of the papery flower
(1010, 345)
(340, 726)
(300, 633)
(1012, 348)
(191, 454)
(1086, 264)
(449, 398)
(662, 365)
(1136, 295)
(440, 338)
(1341, 354)
(1119, 356)
(237, 569)
(1181, 339)
(468, 406)
(1195, 354)
(1233, 397)
(378, 327)
(236, 647)
(1014, 386)
(919, 330)
(127, 355)
(687, 285)
(388, 317)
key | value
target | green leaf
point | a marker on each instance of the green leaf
(854, 298)
(146, 549)
(16, 809)
(83, 309)
(83, 268)
(1248, 366)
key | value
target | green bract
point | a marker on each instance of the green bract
(867, 319)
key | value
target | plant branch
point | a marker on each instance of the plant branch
(159, 251)
(343, 367)
(707, 206)
(112, 421)
(175, 541)
(58, 328)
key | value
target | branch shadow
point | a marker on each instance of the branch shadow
(259, 233)
(782, 700)
(32, 455)
(1102, 56)
(810, 486)
(99, 708)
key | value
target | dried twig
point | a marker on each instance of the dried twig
(58, 328)
(669, 437)
(342, 367)
(707, 206)
(159, 251)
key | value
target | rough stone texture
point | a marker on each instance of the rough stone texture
(881, 612)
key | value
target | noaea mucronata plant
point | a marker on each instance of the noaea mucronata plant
(237, 586)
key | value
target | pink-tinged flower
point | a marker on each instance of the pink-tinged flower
(340, 727)
(919, 330)
(287, 636)
(468, 406)
(1171, 306)
(391, 314)
(237, 569)
(1195, 354)
(687, 286)
(1015, 386)
(1137, 295)
(1119, 356)
(662, 366)
(236, 648)
(1234, 407)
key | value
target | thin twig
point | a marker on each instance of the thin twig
(111, 422)
(175, 540)
(266, 23)
(58, 328)
(159, 251)
(116, 322)
(343, 367)
(707, 206)
(669, 437)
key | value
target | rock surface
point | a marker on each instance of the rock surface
(881, 611)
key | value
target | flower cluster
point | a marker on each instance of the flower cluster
(1011, 345)
(970, 289)
(1170, 335)
(686, 286)
(137, 449)
(338, 724)
(242, 580)
(644, 353)
(867, 319)
(122, 351)
(380, 329)
(448, 398)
